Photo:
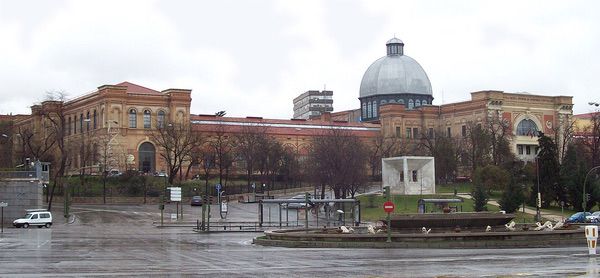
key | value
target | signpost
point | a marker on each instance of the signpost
(2, 205)
(388, 207)
(176, 197)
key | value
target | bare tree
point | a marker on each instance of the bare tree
(475, 146)
(222, 146)
(446, 155)
(6, 144)
(337, 158)
(177, 141)
(269, 159)
(382, 147)
(499, 135)
(591, 139)
(248, 147)
(54, 131)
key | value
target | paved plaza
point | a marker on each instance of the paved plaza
(122, 241)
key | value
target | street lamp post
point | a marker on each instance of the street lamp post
(584, 203)
(523, 194)
(538, 201)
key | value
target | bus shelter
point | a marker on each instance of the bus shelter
(324, 211)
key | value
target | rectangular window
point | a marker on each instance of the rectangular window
(464, 131)
(416, 133)
(528, 150)
(408, 132)
(398, 132)
(520, 149)
(430, 133)
(414, 175)
(448, 132)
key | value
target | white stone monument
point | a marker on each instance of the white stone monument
(409, 175)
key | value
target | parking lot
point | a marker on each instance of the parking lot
(122, 241)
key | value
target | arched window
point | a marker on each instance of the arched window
(392, 101)
(147, 119)
(132, 118)
(81, 122)
(95, 120)
(161, 119)
(146, 157)
(417, 103)
(527, 127)
(364, 110)
(87, 123)
(424, 102)
(401, 101)
(369, 113)
(383, 101)
(374, 109)
(411, 104)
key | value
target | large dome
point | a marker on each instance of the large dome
(395, 73)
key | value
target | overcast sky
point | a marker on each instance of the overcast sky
(251, 58)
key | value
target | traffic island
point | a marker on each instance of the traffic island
(449, 238)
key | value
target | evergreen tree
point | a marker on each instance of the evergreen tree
(480, 197)
(549, 172)
(512, 198)
(572, 174)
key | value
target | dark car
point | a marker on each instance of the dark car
(578, 217)
(196, 201)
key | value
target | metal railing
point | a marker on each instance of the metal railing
(18, 174)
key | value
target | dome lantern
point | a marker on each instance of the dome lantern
(395, 47)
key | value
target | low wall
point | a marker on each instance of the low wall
(517, 239)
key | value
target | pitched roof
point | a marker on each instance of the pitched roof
(134, 88)
(586, 115)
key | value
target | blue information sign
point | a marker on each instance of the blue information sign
(218, 186)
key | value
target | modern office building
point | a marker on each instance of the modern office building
(312, 104)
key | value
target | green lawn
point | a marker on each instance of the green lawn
(449, 188)
(406, 204)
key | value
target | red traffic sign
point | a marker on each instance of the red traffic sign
(388, 206)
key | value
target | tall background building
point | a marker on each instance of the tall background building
(312, 104)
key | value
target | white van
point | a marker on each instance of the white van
(36, 217)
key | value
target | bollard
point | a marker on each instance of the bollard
(591, 234)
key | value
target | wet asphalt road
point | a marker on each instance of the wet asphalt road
(121, 241)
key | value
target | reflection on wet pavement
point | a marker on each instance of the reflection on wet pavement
(115, 241)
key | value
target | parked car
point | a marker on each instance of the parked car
(579, 217)
(114, 173)
(594, 217)
(196, 201)
(160, 174)
(297, 205)
(35, 217)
